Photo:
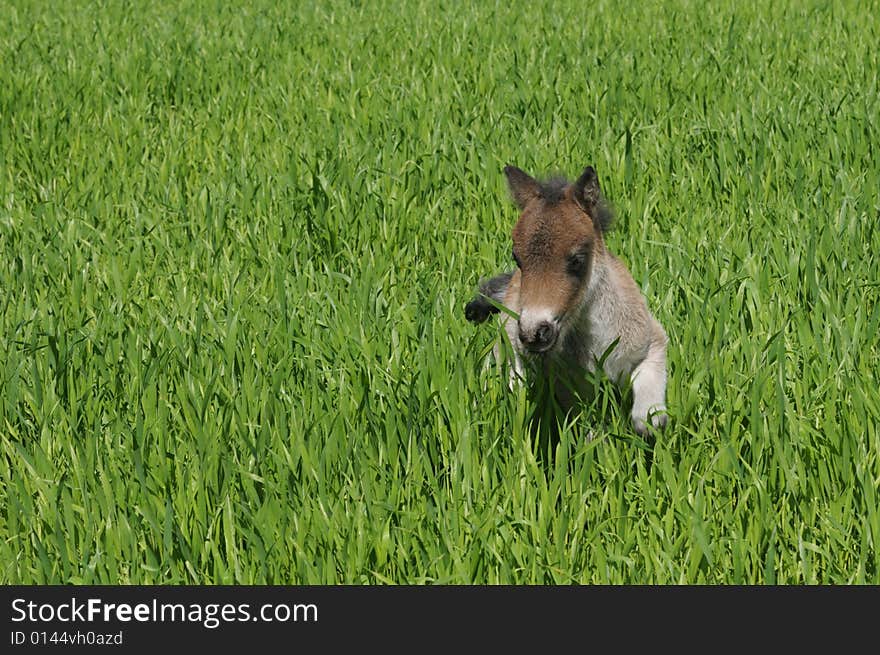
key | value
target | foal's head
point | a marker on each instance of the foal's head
(555, 244)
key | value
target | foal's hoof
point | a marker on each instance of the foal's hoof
(477, 310)
(658, 422)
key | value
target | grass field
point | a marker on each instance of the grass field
(236, 245)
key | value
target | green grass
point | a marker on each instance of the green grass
(236, 245)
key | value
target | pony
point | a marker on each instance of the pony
(570, 306)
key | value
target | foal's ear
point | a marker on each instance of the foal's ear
(586, 190)
(588, 195)
(522, 186)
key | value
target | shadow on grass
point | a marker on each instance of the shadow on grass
(584, 405)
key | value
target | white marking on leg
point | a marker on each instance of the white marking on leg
(649, 390)
(515, 373)
(515, 370)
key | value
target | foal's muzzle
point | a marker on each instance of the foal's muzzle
(540, 337)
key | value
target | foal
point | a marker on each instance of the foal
(578, 305)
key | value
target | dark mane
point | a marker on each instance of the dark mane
(553, 189)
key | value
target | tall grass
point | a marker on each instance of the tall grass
(237, 242)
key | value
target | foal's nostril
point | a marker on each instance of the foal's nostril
(540, 338)
(544, 334)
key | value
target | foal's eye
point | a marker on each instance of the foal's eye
(516, 259)
(576, 265)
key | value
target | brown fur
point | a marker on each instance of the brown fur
(545, 235)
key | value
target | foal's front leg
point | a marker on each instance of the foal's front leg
(649, 389)
(516, 370)
(480, 308)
